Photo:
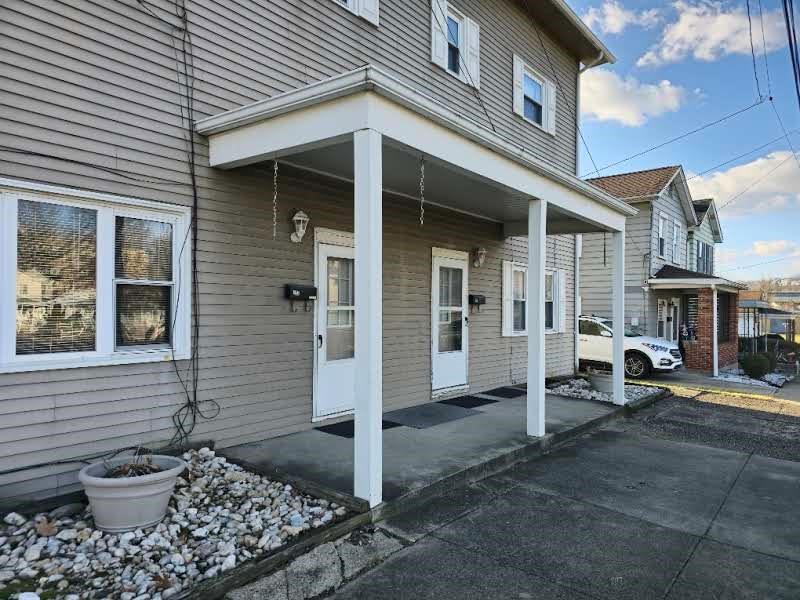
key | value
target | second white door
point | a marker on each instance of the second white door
(449, 319)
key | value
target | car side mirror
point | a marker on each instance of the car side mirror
(606, 333)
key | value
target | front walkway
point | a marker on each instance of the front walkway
(415, 458)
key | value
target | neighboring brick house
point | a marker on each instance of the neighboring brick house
(670, 278)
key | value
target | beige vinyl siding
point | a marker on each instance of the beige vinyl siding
(597, 262)
(95, 82)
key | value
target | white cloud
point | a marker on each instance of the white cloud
(614, 18)
(605, 96)
(775, 248)
(778, 186)
(707, 30)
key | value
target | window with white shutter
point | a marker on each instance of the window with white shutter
(367, 9)
(534, 96)
(455, 43)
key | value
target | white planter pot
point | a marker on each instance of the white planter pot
(128, 503)
(602, 382)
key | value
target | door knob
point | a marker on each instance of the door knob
(319, 341)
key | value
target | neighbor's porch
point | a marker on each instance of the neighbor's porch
(370, 129)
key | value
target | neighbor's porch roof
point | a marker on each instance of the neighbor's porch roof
(673, 278)
(469, 168)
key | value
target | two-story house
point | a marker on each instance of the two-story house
(671, 288)
(273, 215)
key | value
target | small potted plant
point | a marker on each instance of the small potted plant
(601, 380)
(127, 493)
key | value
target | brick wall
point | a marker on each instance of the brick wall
(699, 353)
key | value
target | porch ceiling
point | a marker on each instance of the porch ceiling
(468, 168)
(446, 185)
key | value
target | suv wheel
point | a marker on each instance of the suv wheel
(637, 365)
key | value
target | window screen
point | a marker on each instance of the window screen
(56, 278)
(143, 268)
(534, 99)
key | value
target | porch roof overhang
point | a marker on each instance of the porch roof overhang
(673, 278)
(314, 125)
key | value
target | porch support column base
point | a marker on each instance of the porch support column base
(537, 237)
(618, 318)
(368, 241)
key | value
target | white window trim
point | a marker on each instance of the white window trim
(559, 317)
(662, 222)
(677, 233)
(107, 206)
(468, 42)
(549, 93)
(366, 9)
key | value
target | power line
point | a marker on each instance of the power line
(785, 133)
(679, 137)
(756, 182)
(764, 48)
(740, 156)
(753, 50)
(791, 33)
(766, 262)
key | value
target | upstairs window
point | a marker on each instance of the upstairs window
(91, 280)
(677, 232)
(662, 236)
(534, 96)
(705, 258)
(455, 43)
(366, 9)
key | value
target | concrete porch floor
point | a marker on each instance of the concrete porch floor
(416, 458)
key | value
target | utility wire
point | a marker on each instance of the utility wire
(740, 156)
(791, 33)
(766, 262)
(753, 50)
(756, 182)
(679, 137)
(764, 48)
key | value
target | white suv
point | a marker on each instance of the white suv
(643, 355)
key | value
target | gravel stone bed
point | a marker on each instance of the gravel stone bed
(220, 516)
(582, 389)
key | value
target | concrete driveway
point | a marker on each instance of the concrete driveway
(692, 498)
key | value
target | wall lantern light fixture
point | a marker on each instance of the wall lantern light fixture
(300, 220)
(478, 257)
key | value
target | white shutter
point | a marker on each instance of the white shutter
(438, 36)
(369, 10)
(474, 52)
(561, 290)
(519, 74)
(508, 307)
(550, 110)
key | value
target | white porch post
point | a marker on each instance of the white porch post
(537, 237)
(368, 226)
(618, 317)
(714, 333)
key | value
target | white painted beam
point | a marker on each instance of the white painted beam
(368, 239)
(537, 237)
(714, 332)
(618, 317)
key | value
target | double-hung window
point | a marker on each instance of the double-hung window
(455, 43)
(515, 300)
(534, 96)
(705, 258)
(91, 279)
(662, 236)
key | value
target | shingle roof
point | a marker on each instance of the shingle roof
(670, 272)
(637, 184)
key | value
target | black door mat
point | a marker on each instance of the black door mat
(429, 415)
(505, 392)
(468, 401)
(346, 429)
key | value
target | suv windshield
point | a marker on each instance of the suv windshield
(629, 331)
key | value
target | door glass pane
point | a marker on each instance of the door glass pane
(450, 330)
(450, 287)
(340, 330)
(56, 278)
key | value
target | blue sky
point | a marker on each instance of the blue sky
(681, 65)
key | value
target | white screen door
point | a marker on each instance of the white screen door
(449, 319)
(335, 386)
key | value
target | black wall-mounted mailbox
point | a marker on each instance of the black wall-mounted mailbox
(477, 300)
(295, 291)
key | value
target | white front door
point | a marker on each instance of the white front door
(335, 344)
(449, 319)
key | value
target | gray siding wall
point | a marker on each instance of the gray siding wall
(703, 233)
(94, 82)
(597, 260)
(669, 205)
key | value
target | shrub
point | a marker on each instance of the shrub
(755, 366)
